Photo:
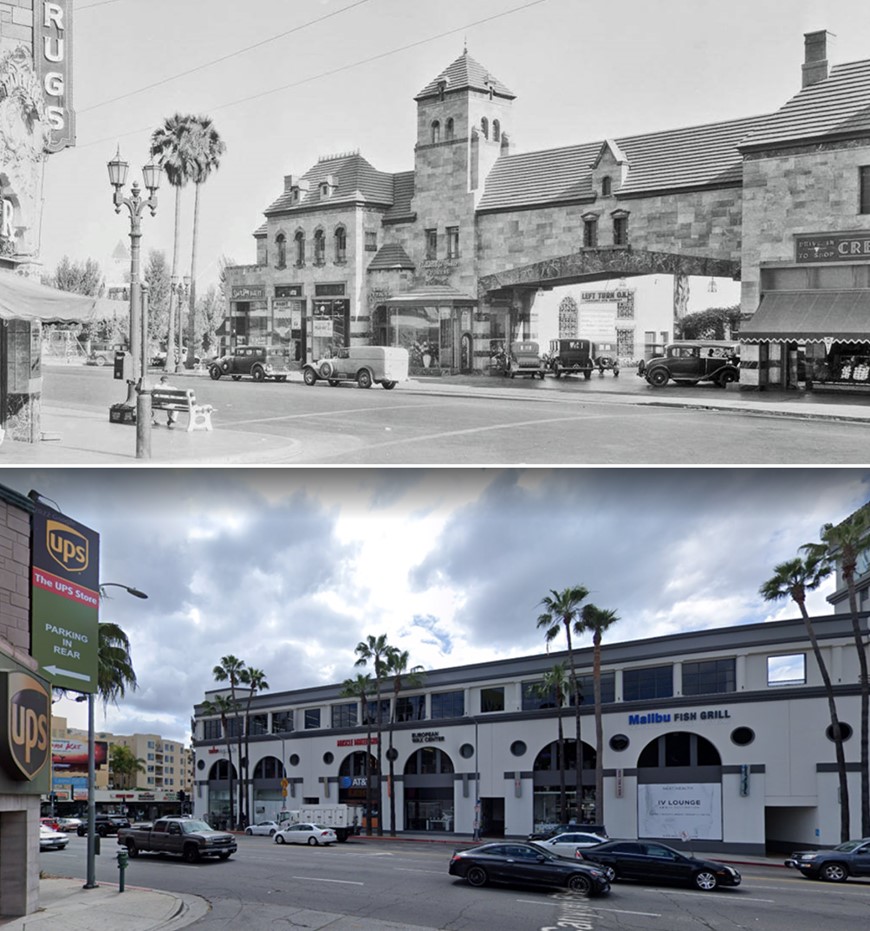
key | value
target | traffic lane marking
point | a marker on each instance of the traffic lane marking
(321, 879)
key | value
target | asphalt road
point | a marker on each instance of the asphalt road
(587, 424)
(404, 882)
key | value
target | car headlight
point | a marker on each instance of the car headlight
(808, 856)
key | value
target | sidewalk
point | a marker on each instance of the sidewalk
(85, 436)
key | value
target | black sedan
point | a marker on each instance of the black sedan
(837, 865)
(525, 864)
(651, 862)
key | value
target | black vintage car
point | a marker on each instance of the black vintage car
(571, 357)
(522, 358)
(526, 864)
(692, 361)
(257, 361)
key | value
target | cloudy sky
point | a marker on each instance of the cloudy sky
(289, 569)
(329, 76)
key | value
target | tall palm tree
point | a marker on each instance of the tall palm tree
(793, 579)
(223, 707)
(174, 146)
(209, 149)
(844, 542)
(375, 650)
(556, 684)
(597, 620)
(230, 670)
(115, 673)
(124, 766)
(562, 612)
(403, 677)
(361, 687)
(255, 680)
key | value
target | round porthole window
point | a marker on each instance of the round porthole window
(619, 742)
(294, 759)
(518, 748)
(845, 731)
(200, 764)
(742, 736)
(392, 754)
(466, 751)
(328, 758)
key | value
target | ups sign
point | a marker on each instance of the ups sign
(66, 546)
(25, 742)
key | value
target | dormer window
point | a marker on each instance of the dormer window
(326, 187)
(442, 87)
(436, 131)
(606, 186)
(484, 127)
(496, 130)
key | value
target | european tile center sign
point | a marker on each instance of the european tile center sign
(65, 599)
(833, 247)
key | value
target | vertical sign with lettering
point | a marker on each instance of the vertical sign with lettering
(52, 50)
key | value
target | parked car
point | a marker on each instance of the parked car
(51, 823)
(104, 353)
(68, 824)
(571, 357)
(314, 835)
(849, 859)
(524, 358)
(366, 365)
(257, 361)
(564, 845)
(604, 358)
(263, 827)
(526, 864)
(50, 839)
(104, 825)
(545, 831)
(653, 862)
(692, 361)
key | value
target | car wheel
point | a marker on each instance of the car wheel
(834, 873)
(476, 876)
(580, 884)
(309, 376)
(364, 378)
(102, 830)
(658, 378)
(237, 377)
(279, 839)
(100, 360)
(312, 841)
(587, 374)
(541, 375)
(215, 372)
(258, 373)
(616, 373)
(190, 853)
(389, 385)
(225, 366)
(132, 849)
(272, 832)
(248, 831)
(727, 378)
(705, 880)
(325, 369)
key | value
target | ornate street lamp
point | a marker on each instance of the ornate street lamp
(136, 204)
(181, 292)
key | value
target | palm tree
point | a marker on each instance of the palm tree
(124, 765)
(556, 685)
(223, 707)
(255, 680)
(562, 611)
(793, 579)
(361, 688)
(229, 670)
(397, 667)
(376, 650)
(115, 672)
(174, 145)
(597, 620)
(844, 542)
(209, 149)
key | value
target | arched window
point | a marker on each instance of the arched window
(436, 131)
(605, 186)
(269, 768)
(448, 128)
(319, 247)
(281, 246)
(340, 245)
(221, 771)
(428, 761)
(496, 130)
(299, 239)
(484, 127)
(679, 748)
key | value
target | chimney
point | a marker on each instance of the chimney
(817, 45)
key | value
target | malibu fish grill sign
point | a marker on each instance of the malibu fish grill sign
(65, 599)
(52, 52)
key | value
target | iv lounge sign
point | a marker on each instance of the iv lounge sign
(65, 600)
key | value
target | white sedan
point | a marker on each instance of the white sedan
(565, 845)
(263, 827)
(51, 840)
(312, 834)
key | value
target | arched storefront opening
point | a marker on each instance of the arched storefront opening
(428, 786)
(266, 789)
(547, 765)
(352, 785)
(221, 777)
(679, 788)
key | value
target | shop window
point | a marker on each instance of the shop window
(448, 704)
(788, 669)
(431, 244)
(344, 715)
(452, 242)
(319, 247)
(340, 245)
(371, 239)
(411, 708)
(282, 722)
(606, 186)
(620, 229)
(436, 131)
(496, 131)
(448, 128)
(299, 240)
(281, 249)
(649, 682)
(312, 719)
(484, 127)
(590, 232)
(710, 677)
(211, 730)
(864, 189)
(492, 699)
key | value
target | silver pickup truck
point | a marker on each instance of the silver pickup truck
(190, 838)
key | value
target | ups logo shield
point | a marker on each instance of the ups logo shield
(28, 730)
(67, 547)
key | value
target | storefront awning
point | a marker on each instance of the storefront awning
(839, 316)
(21, 297)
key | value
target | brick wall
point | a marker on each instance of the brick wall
(16, 24)
(15, 578)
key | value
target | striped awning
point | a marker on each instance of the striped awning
(836, 316)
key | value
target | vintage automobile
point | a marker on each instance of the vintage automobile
(604, 358)
(257, 361)
(571, 357)
(524, 358)
(104, 353)
(691, 361)
(366, 365)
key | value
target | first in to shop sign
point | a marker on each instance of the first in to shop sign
(65, 599)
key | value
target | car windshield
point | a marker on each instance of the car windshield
(190, 826)
(849, 846)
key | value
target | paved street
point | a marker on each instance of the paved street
(458, 421)
(405, 885)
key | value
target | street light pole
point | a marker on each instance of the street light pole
(181, 290)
